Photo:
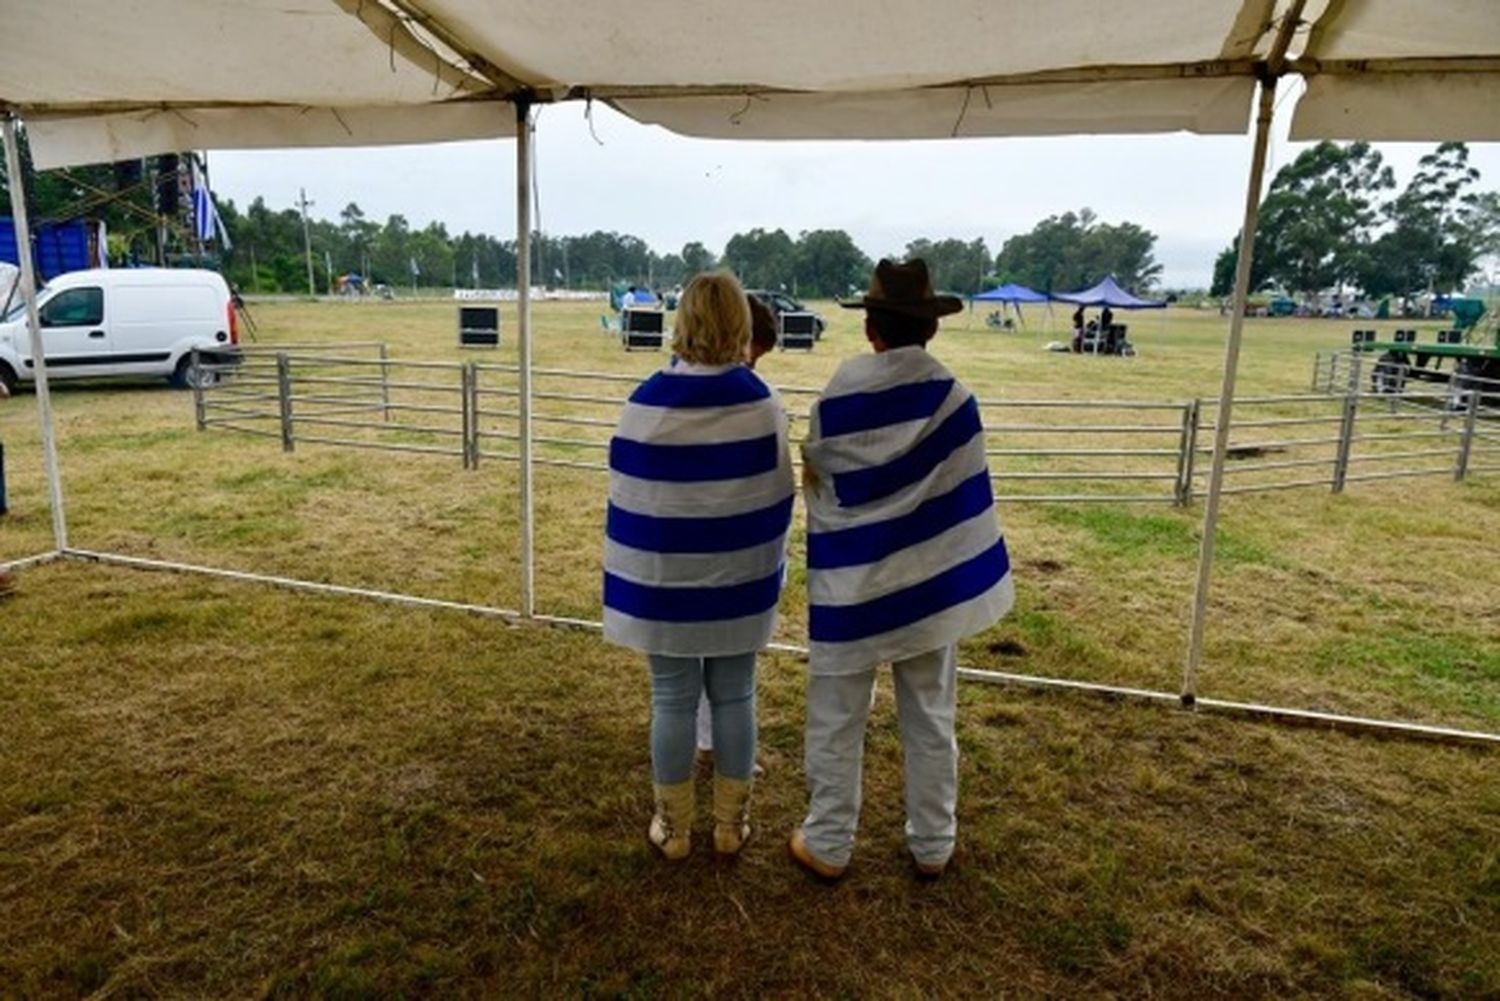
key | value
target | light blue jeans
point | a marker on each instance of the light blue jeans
(676, 683)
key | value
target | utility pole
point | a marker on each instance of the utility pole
(328, 266)
(303, 203)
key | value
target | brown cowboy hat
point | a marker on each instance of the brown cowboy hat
(905, 288)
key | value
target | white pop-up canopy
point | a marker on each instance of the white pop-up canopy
(100, 80)
(106, 79)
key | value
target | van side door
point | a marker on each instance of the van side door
(74, 334)
(151, 324)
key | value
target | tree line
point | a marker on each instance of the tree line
(1332, 219)
(267, 252)
(1062, 252)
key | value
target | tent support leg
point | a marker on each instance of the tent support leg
(523, 341)
(1226, 392)
(34, 330)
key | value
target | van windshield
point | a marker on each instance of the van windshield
(14, 305)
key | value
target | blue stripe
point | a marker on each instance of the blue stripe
(692, 604)
(726, 389)
(968, 580)
(850, 547)
(909, 401)
(728, 460)
(698, 535)
(861, 486)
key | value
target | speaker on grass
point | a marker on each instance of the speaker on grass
(642, 328)
(798, 331)
(478, 326)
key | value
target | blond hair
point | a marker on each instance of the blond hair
(713, 321)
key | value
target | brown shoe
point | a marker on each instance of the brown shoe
(929, 871)
(797, 848)
(7, 583)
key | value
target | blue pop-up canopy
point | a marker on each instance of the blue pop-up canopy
(1107, 293)
(1009, 293)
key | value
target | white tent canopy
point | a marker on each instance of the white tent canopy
(152, 76)
(102, 80)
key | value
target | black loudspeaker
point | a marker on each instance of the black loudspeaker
(168, 200)
(128, 174)
(798, 331)
(642, 328)
(478, 326)
(1363, 337)
(1406, 336)
(1450, 336)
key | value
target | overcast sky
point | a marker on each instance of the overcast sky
(668, 190)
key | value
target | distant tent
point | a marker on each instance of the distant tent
(1009, 293)
(1107, 293)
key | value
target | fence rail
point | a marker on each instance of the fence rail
(1058, 451)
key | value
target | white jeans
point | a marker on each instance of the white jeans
(837, 708)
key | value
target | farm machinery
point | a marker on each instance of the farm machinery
(1463, 359)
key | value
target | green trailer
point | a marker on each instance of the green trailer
(1401, 359)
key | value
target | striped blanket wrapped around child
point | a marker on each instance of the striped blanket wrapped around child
(700, 498)
(904, 551)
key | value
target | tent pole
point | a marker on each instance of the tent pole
(34, 330)
(1226, 390)
(523, 341)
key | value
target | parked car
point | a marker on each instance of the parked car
(780, 303)
(124, 322)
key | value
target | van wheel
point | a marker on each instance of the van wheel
(190, 376)
(7, 379)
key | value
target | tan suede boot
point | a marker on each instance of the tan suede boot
(672, 826)
(731, 814)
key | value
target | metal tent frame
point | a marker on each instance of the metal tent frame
(1269, 72)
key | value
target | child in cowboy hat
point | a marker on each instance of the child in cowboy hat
(904, 558)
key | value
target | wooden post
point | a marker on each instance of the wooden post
(284, 398)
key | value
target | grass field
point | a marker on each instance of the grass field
(210, 789)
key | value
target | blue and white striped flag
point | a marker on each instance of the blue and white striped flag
(206, 220)
(700, 498)
(904, 551)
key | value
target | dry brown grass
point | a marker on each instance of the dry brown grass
(217, 789)
(214, 789)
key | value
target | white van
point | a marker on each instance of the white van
(124, 321)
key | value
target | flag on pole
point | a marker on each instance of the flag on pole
(415, 271)
(206, 220)
(904, 552)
